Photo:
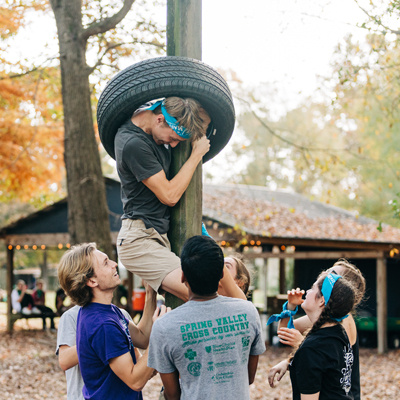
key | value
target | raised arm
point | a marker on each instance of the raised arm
(293, 337)
(170, 191)
(228, 287)
(294, 300)
(140, 333)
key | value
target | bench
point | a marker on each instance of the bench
(16, 316)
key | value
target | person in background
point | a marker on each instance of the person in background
(22, 301)
(239, 272)
(39, 299)
(59, 302)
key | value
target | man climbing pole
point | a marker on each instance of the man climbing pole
(143, 155)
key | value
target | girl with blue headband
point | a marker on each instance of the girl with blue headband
(293, 337)
(321, 368)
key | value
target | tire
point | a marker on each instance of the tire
(164, 77)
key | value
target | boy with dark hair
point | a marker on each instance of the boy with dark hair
(211, 342)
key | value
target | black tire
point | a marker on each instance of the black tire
(164, 77)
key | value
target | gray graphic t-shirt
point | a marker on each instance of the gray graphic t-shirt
(209, 343)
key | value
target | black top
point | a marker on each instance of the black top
(139, 157)
(355, 375)
(323, 363)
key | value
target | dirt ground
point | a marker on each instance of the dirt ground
(29, 369)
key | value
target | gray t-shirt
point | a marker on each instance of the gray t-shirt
(209, 343)
(138, 157)
(66, 335)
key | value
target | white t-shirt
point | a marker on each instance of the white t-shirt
(16, 305)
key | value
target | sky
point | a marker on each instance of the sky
(285, 44)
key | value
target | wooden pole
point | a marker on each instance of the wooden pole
(44, 270)
(10, 282)
(184, 39)
(381, 299)
(282, 277)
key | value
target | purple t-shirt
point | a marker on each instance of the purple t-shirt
(102, 333)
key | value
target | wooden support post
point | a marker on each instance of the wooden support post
(10, 282)
(44, 270)
(282, 276)
(184, 39)
(381, 299)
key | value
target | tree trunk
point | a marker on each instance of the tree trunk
(87, 206)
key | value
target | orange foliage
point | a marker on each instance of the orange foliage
(12, 15)
(31, 135)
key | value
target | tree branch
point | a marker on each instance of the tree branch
(40, 67)
(113, 46)
(108, 23)
(376, 20)
(273, 133)
(303, 149)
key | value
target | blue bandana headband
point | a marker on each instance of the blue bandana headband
(170, 120)
(327, 287)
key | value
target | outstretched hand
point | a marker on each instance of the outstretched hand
(291, 337)
(160, 311)
(295, 297)
(279, 371)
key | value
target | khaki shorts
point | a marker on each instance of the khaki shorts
(145, 252)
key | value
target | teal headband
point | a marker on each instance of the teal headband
(327, 287)
(170, 120)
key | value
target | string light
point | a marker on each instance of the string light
(26, 247)
(60, 246)
(10, 247)
(283, 247)
(42, 246)
(18, 247)
(34, 247)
